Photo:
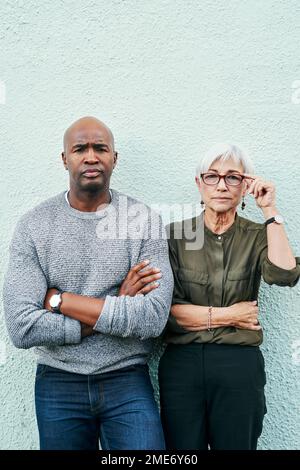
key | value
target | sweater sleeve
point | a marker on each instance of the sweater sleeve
(25, 287)
(142, 316)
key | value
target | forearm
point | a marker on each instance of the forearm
(279, 250)
(195, 317)
(80, 307)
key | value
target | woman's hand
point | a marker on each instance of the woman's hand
(263, 191)
(244, 315)
(138, 281)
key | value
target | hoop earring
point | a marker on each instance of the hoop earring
(243, 204)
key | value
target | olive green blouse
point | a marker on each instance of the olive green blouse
(226, 270)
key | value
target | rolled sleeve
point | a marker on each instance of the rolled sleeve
(273, 274)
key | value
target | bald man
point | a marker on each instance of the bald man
(89, 286)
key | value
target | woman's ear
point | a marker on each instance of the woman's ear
(197, 180)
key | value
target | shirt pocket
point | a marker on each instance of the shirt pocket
(194, 284)
(241, 274)
(239, 285)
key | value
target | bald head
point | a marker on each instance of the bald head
(84, 126)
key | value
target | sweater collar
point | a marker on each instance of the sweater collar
(100, 214)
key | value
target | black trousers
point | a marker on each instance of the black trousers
(212, 396)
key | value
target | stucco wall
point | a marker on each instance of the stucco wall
(171, 78)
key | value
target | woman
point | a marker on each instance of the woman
(212, 374)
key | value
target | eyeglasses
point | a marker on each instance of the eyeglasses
(234, 179)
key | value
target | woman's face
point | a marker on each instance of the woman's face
(222, 196)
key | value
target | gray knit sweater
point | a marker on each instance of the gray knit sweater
(88, 253)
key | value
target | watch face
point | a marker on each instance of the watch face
(54, 300)
(279, 219)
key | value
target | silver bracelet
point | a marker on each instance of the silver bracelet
(209, 318)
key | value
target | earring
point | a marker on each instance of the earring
(243, 204)
(202, 204)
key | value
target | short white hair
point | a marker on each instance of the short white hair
(224, 152)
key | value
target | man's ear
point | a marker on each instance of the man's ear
(115, 159)
(63, 157)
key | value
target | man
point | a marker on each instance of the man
(80, 291)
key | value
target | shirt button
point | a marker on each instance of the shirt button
(219, 238)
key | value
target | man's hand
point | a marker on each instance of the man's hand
(138, 281)
(86, 330)
(244, 315)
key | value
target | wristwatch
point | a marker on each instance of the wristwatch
(277, 218)
(55, 301)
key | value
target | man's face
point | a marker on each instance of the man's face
(89, 156)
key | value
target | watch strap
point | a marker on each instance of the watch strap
(269, 221)
(276, 218)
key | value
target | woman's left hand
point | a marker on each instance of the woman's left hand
(263, 191)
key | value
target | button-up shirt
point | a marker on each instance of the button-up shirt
(226, 270)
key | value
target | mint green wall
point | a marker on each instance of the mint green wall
(171, 78)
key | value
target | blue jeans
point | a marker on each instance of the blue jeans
(74, 411)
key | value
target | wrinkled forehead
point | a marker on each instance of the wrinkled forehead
(222, 165)
(88, 133)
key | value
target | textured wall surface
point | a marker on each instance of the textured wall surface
(171, 78)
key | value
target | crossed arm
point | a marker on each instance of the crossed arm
(194, 317)
(139, 280)
(142, 281)
(139, 311)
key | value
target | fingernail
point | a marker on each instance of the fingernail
(147, 261)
